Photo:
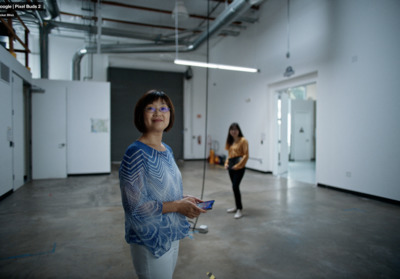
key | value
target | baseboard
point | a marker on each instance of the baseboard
(6, 194)
(364, 195)
(86, 174)
(264, 172)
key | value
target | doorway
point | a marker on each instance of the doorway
(295, 130)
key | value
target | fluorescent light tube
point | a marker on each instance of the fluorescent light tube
(214, 66)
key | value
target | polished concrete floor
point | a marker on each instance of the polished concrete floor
(73, 228)
(303, 171)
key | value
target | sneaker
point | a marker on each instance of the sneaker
(231, 210)
(238, 214)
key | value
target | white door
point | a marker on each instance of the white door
(6, 181)
(49, 132)
(88, 127)
(302, 136)
(282, 100)
(18, 117)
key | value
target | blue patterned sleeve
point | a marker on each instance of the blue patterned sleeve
(143, 216)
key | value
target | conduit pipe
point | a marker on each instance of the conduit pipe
(230, 14)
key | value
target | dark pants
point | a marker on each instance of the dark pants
(236, 177)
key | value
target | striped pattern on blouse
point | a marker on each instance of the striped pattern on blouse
(148, 178)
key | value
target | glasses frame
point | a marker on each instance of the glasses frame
(162, 110)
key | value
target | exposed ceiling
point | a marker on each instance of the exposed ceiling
(136, 26)
(142, 21)
(151, 21)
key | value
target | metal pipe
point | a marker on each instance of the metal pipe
(76, 64)
(230, 14)
(51, 10)
(44, 50)
(104, 31)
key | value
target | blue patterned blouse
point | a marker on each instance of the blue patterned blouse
(148, 178)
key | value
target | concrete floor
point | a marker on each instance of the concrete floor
(74, 228)
(303, 171)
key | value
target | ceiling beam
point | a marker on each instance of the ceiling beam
(123, 5)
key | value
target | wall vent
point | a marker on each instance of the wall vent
(5, 72)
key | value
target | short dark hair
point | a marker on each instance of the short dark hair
(148, 98)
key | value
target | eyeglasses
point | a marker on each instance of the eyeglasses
(153, 109)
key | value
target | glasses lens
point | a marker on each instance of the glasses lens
(164, 109)
(150, 109)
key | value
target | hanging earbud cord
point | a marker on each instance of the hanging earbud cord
(176, 31)
(206, 116)
(176, 57)
(288, 30)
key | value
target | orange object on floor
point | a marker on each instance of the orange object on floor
(212, 156)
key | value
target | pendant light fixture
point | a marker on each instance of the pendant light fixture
(289, 70)
(180, 10)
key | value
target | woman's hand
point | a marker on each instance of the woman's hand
(192, 199)
(188, 207)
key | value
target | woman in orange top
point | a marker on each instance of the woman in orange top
(238, 154)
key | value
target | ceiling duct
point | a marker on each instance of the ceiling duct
(104, 31)
(51, 10)
(230, 14)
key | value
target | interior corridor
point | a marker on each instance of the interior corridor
(74, 228)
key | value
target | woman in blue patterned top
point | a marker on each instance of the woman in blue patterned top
(152, 193)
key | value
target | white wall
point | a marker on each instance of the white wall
(6, 170)
(352, 46)
(359, 88)
(12, 126)
(61, 52)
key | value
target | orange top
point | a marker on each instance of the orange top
(239, 149)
